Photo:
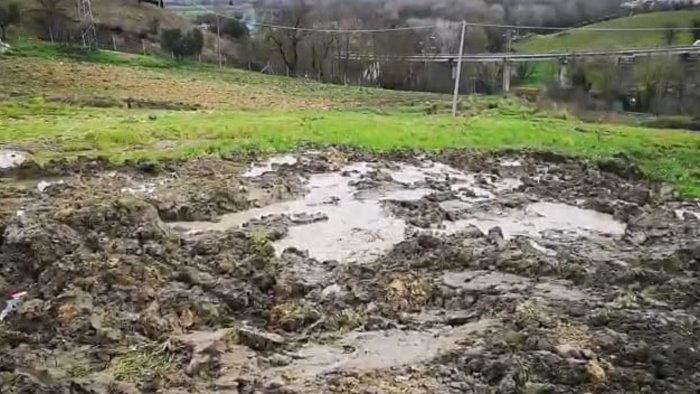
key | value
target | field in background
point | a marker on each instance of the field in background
(130, 15)
(65, 103)
(579, 39)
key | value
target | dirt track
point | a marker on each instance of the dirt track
(343, 272)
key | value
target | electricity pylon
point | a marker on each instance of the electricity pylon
(88, 32)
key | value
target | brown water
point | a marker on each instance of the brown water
(502, 282)
(370, 350)
(540, 217)
(359, 228)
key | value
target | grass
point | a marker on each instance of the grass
(579, 39)
(138, 367)
(54, 130)
(245, 111)
(33, 69)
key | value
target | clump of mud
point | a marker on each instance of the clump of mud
(338, 271)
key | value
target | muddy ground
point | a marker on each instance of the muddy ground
(339, 271)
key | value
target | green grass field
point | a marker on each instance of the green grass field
(580, 39)
(246, 111)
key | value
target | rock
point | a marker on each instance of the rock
(206, 347)
(331, 292)
(588, 354)
(459, 319)
(259, 340)
(279, 360)
(536, 388)
(568, 351)
(274, 384)
(308, 218)
(639, 196)
(428, 241)
(495, 236)
(595, 372)
(32, 245)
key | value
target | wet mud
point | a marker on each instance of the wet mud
(339, 271)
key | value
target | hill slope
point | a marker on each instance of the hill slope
(130, 15)
(579, 39)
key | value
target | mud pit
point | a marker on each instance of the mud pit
(338, 271)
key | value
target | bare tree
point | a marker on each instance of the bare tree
(288, 41)
(8, 16)
(51, 16)
(655, 75)
(321, 45)
(670, 34)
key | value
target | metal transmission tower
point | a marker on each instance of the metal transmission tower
(88, 32)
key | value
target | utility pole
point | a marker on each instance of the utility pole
(88, 32)
(506, 64)
(218, 37)
(458, 74)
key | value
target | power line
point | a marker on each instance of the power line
(468, 24)
(407, 28)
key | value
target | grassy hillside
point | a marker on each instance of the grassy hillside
(578, 39)
(127, 14)
(132, 16)
(54, 105)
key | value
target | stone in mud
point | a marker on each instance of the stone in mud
(30, 245)
(126, 217)
(595, 372)
(205, 346)
(570, 351)
(279, 360)
(292, 316)
(332, 292)
(495, 236)
(259, 340)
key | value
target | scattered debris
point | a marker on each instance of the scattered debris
(12, 304)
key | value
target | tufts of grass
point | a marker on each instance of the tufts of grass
(262, 245)
(137, 367)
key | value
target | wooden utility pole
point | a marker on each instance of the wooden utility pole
(218, 38)
(506, 64)
(458, 74)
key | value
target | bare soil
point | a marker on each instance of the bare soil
(339, 271)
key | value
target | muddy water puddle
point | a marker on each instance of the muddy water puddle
(353, 223)
(374, 350)
(480, 281)
(539, 218)
(270, 165)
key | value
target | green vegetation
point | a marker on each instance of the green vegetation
(54, 130)
(44, 50)
(580, 39)
(247, 111)
(138, 367)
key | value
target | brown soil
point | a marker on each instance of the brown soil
(462, 273)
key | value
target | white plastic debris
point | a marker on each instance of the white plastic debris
(43, 185)
(10, 158)
(4, 47)
(12, 304)
(332, 291)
